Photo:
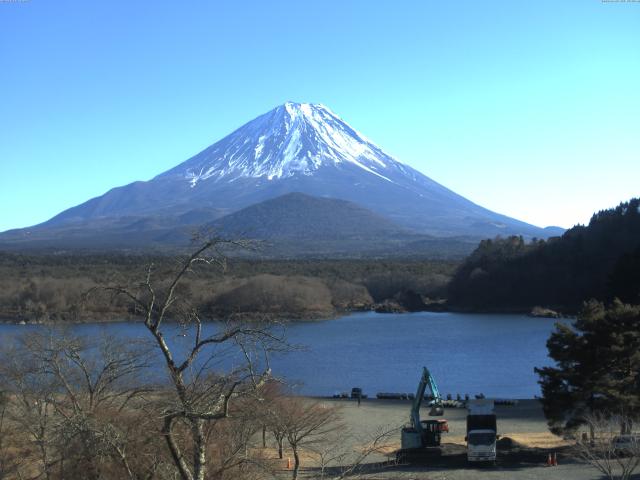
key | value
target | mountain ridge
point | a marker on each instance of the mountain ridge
(302, 216)
(295, 147)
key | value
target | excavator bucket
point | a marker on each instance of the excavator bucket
(436, 411)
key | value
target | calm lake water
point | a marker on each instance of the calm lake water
(467, 353)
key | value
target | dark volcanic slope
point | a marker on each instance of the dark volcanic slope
(299, 225)
(296, 215)
(293, 225)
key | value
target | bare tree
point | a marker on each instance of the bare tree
(30, 407)
(305, 423)
(336, 459)
(232, 444)
(202, 389)
(271, 415)
(616, 456)
(278, 429)
(67, 396)
(10, 457)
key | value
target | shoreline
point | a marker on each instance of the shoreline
(62, 318)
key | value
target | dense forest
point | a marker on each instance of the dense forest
(601, 261)
(54, 287)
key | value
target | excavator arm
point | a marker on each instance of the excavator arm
(423, 436)
(427, 381)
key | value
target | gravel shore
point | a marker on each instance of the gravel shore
(524, 423)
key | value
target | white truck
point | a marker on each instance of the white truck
(481, 431)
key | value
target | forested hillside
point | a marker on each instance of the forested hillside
(53, 287)
(601, 261)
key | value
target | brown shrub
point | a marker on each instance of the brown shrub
(271, 294)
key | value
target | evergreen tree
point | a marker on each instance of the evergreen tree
(625, 279)
(599, 261)
(597, 366)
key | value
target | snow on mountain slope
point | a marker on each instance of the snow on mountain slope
(294, 138)
(298, 147)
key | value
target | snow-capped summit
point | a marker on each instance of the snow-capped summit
(294, 138)
(296, 147)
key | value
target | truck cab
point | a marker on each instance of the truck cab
(481, 431)
(481, 445)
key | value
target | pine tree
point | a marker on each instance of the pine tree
(597, 366)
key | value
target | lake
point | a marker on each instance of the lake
(466, 353)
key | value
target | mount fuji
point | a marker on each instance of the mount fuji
(294, 148)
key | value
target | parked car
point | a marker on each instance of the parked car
(627, 444)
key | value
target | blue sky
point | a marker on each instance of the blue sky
(527, 108)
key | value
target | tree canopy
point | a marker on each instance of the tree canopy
(597, 366)
(597, 261)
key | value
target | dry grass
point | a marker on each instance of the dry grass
(528, 439)
(538, 440)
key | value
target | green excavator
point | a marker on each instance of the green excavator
(420, 439)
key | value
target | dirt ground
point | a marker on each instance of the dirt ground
(524, 423)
